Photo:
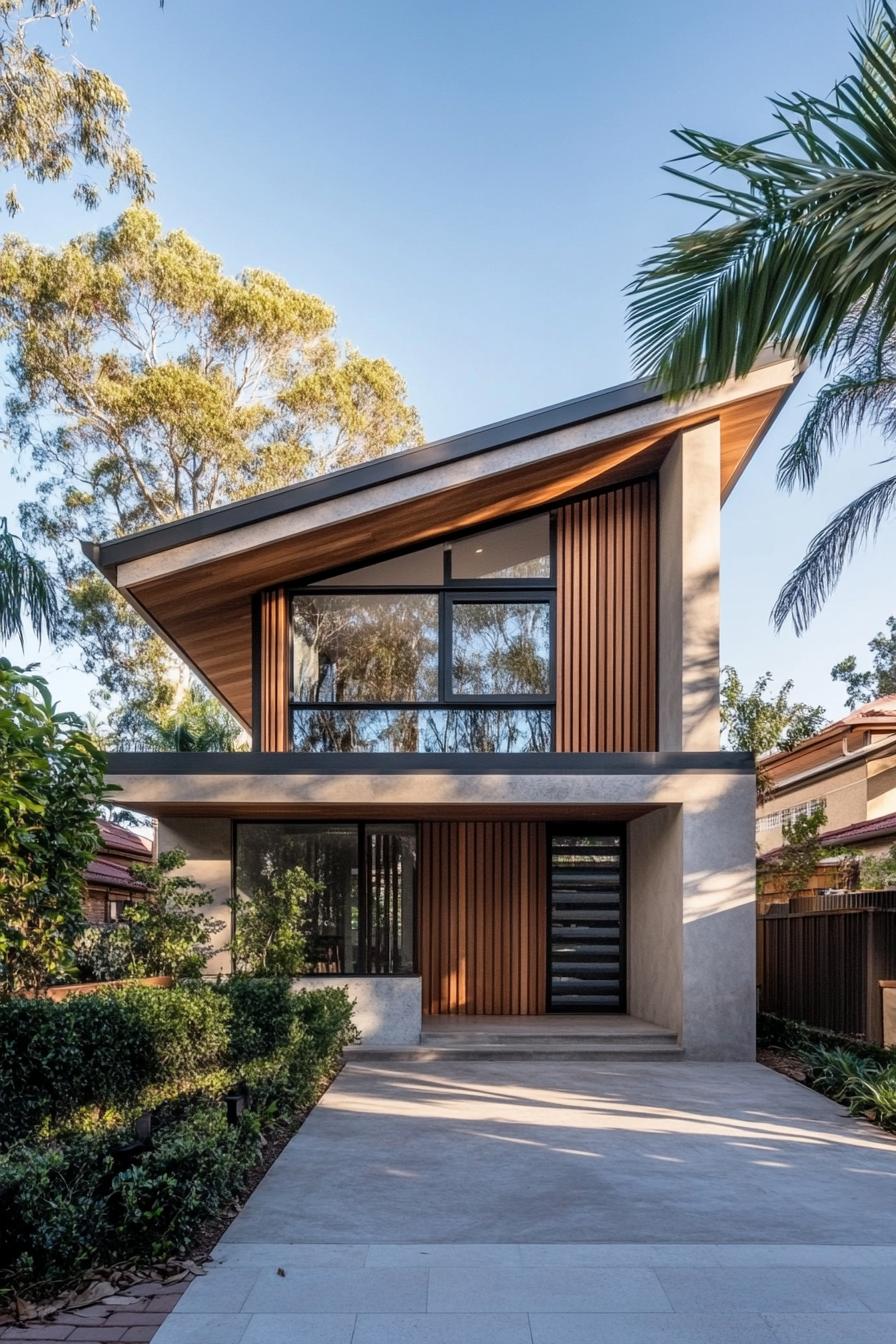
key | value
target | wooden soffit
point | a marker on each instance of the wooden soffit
(204, 610)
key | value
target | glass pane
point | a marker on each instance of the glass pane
(468, 729)
(329, 854)
(376, 648)
(501, 648)
(520, 551)
(391, 863)
(415, 569)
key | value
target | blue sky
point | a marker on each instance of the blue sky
(471, 185)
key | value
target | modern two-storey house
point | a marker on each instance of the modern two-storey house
(481, 679)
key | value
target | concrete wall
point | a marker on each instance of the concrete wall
(689, 544)
(692, 923)
(207, 843)
(718, 972)
(388, 1009)
(654, 934)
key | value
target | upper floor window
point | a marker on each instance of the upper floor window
(771, 821)
(449, 648)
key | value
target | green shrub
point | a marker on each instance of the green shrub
(53, 1216)
(191, 1172)
(264, 1016)
(786, 1034)
(62, 1208)
(875, 1097)
(837, 1072)
(94, 1059)
(326, 1015)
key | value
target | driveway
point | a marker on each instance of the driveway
(561, 1203)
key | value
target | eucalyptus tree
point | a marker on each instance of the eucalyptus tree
(56, 114)
(145, 385)
(797, 251)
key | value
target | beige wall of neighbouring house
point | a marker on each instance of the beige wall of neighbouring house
(845, 795)
(881, 786)
(206, 841)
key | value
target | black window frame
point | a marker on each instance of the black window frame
(361, 829)
(449, 593)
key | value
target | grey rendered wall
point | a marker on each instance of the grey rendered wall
(207, 843)
(654, 933)
(689, 544)
(719, 925)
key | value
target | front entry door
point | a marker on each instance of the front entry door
(587, 921)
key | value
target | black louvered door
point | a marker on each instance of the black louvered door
(587, 914)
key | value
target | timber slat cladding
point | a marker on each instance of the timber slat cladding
(607, 620)
(483, 917)
(274, 671)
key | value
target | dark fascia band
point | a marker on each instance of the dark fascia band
(242, 513)
(398, 763)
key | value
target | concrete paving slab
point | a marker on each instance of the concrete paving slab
(561, 1203)
(562, 1152)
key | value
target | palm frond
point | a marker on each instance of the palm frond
(808, 215)
(829, 551)
(26, 589)
(860, 393)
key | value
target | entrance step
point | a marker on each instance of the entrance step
(576, 1048)
(597, 1037)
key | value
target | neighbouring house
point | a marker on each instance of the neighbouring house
(824, 946)
(848, 768)
(109, 885)
(482, 682)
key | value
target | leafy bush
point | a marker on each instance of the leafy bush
(63, 1207)
(860, 1075)
(194, 1169)
(51, 787)
(164, 933)
(63, 1210)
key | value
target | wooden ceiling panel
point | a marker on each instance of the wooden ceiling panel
(205, 611)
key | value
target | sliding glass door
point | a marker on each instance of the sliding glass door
(360, 917)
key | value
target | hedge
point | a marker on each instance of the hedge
(74, 1074)
(93, 1061)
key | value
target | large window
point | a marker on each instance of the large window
(360, 920)
(447, 649)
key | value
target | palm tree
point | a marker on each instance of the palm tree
(26, 588)
(196, 723)
(799, 252)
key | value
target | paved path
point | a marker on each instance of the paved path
(561, 1203)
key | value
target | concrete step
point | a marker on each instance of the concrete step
(519, 1049)
(527, 1038)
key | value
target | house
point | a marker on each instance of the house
(849, 769)
(482, 682)
(109, 885)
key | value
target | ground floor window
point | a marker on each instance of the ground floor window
(360, 918)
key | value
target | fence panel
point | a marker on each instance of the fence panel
(824, 966)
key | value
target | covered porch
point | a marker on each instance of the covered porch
(475, 888)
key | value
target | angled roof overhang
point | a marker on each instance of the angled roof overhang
(193, 580)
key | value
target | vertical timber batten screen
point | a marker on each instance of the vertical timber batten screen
(274, 670)
(607, 620)
(483, 917)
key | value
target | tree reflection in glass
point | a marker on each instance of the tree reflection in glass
(500, 648)
(366, 648)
